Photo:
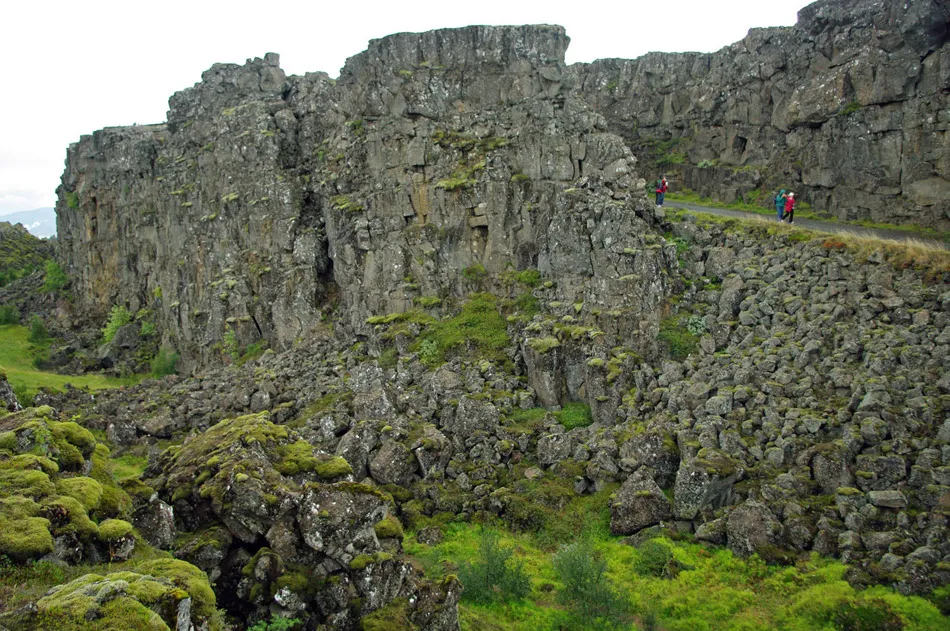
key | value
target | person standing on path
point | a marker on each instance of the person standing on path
(790, 208)
(780, 204)
(661, 187)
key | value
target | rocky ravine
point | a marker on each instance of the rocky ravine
(848, 107)
(810, 415)
(790, 394)
(264, 197)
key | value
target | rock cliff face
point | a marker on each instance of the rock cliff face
(435, 163)
(849, 107)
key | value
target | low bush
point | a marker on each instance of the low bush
(118, 318)
(494, 575)
(9, 314)
(587, 591)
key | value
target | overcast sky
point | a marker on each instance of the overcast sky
(71, 68)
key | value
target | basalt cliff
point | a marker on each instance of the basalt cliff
(453, 241)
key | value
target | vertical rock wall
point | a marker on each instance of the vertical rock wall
(849, 106)
(435, 163)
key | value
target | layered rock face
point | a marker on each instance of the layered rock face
(435, 160)
(849, 107)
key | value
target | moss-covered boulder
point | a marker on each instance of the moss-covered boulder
(48, 506)
(245, 472)
(160, 595)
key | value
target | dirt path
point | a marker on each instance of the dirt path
(823, 226)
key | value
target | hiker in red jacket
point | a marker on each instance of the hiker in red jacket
(661, 187)
(789, 208)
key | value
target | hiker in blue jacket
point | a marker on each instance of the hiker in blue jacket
(780, 204)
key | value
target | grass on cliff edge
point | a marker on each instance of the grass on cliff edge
(712, 591)
(930, 259)
(804, 211)
(16, 360)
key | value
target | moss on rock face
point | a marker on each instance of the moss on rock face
(114, 529)
(389, 528)
(392, 617)
(146, 599)
(86, 491)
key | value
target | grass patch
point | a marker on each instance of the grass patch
(16, 359)
(713, 590)
(676, 336)
(574, 414)
(477, 330)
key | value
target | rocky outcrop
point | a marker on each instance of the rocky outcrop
(848, 108)
(424, 172)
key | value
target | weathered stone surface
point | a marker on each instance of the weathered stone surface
(832, 108)
(752, 528)
(640, 503)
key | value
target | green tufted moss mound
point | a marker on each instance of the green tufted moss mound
(42, 497)
(146, 599)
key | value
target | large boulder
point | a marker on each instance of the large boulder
(640, 503)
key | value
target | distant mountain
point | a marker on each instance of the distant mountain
(40, 222)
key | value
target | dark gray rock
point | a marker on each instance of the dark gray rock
(640, 503)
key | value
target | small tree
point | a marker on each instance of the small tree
(56, 278)
(494, 575)
(165, 363)
(38, 332)
(587, 590)
(9, 314)
(118, 318)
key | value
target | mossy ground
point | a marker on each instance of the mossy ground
(712, 591)
(16, 359)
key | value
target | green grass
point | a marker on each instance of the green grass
(16, 359)
(129, 467)
(478, 329)
(713, 590)
(803, 211)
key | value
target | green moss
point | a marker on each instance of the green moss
(30, 461)
(114, 503)
(393, 617)
(187, 577)
(76, 519)
(25, 538)
(85, 490)
(361, 561)
(297, 457)
(114, 529)
(29, 483)
(543, 344)
(333, 467)
(389, 528)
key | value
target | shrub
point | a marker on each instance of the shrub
(277, 623)
(56, 278)
(231, 345)
(9, 314)
(475, 273)
(587, 590)
(575, 414)
(118, 318)
(677, 338)
(871, 615)
(165, 362)
(493, 576)
(655, 559)
(38, 332)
